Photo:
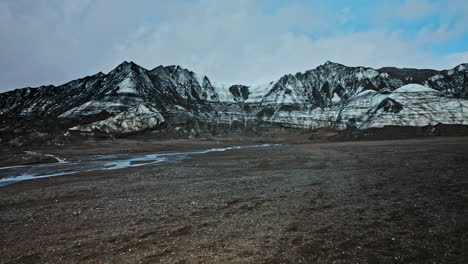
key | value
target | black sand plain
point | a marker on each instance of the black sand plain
(389, 201)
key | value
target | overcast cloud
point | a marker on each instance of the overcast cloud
(245, 41)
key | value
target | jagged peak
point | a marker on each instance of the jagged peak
(128, 63)
(331, 64)
(327, 65)
(158, 67)
(170, 68)
(287, 77)
(177, 68)
(177, 72)
(462, 67)
(126, 66)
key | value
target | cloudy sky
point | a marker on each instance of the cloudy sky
(231, 41)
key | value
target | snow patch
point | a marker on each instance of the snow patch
(436, 77)
(368, 74)
(199, 79)
(223, 92)
(126, 86)
(257, 92)
(366, 92)
(135, 119)
(414, 88)
(91, 107)
(336, 98)
(384, 75)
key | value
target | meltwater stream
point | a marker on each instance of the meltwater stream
(13, 174)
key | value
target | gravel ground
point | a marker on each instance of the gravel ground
(402, 201)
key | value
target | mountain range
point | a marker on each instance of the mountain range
(178, 102)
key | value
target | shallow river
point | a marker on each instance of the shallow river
(13, 174)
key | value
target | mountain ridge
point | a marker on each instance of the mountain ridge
(385, 69)
(183, 102)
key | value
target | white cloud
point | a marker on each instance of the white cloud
(230, 41)
(237, 44)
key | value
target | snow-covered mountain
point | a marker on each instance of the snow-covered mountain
(131, 99)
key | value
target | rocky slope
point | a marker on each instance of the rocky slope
(131, 99)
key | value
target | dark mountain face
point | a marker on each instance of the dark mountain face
(240, 93)
(48, 101)
(175, 99)
(410, 75)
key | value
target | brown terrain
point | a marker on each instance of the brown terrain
(394, 201)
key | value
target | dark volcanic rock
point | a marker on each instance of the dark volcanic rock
(332, 95)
